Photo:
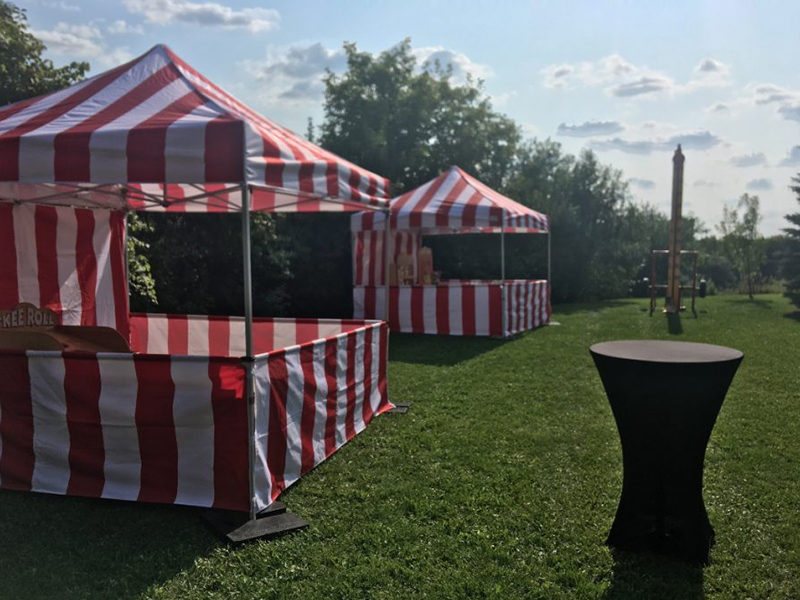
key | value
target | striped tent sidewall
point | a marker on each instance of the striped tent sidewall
(125, 427)
(311, 400)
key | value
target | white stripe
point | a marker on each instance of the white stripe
(404, 308)
(262, 479)
(513, 288)
(197, 328)
(482, 309)
(380, 303)
(66, 258)
(117, 407)
(429, 213)
(290, 175)
(455, 309)
(24, 217)
(37, 149)
(343, 174)
(404, 215)
(319, 178)
(358, 411)
(157, 340)
(185, 145)
(429, 308)
(50, 433)
(358, 302)
(375, 393)
(320, 402)
(108, 144)
(237, 341)
(294, 417)
(341, 390)
(193, 416)
(104, 293)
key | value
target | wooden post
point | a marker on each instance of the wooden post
(673, 299)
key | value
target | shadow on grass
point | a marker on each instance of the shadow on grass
(795, 316)
(767, 304)
(639, 576)
(439, 350)
(674, 325)
(65, 547)
(570, 309)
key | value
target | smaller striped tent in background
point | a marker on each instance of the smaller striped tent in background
(452, 203)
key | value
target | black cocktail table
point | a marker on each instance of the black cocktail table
(665, 397)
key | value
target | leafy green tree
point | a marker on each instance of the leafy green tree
(23, 71)
(791, 263)
(741, 241)
(408, 123)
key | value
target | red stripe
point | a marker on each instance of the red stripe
(158, 447)
(330, 400)
(358, 243)
(175, 194)
(417, 308)
(366, 409)
(443, 310)
(495, 308)
(263, 336)
(276, 444)
(219, 337)
(146, 144)
(370, 294)
(9, 283)
(350, 387)
(223, 150)
(262, 200)
(306, 331)
(469, 216)
(309, 409)
(415, 218)
(82, 386)
(118, 272)
(229, 405)
(16, 423)
(72, 159)
(332, 179)
(139, 333)
(46, 227)
(9, 141)
(86, 263)
(177, 335)
(468, 310)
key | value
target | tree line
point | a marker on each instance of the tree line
(409, 122)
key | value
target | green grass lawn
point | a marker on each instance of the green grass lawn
(501, 482)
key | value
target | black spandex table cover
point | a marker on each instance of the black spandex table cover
(665, 397)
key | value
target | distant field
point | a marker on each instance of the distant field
(500, 482)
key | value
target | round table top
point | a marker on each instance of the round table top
(661, 351)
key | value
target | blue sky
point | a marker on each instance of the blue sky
(627, 79)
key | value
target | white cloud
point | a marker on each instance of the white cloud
(621, 78)
(759, 185)
(120, 27)
(718, 108)
(704, 183)
(462, 66)
(699, 140)
(211, 14)
(786, 101)
(749, 160)
(295, 74)
(74, 39)
(645, 184)
(792, 158)
(590, 129)
(62, 5)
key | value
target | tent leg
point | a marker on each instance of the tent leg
(387, 255)
(250, 389)
(236, 528)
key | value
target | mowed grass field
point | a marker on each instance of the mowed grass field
(500, 482)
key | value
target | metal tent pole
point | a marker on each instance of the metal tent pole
(387, 243)
(503, 272)
(248, 339)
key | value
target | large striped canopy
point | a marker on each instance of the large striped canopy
(454, 202)
(155, 134)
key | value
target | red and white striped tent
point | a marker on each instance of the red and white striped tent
(452, 203)
(220, 412)
(156, 121)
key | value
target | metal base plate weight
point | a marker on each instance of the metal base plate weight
(236, 527)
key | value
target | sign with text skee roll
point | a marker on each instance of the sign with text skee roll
(673, 299)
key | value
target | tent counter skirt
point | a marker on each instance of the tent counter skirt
(167, 423)
(458, 307)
